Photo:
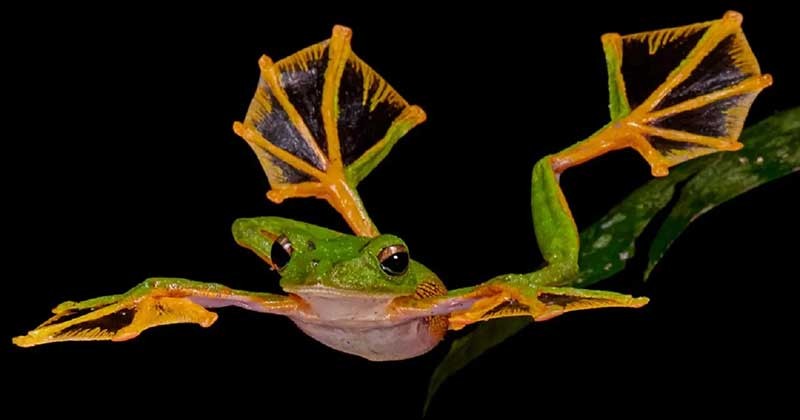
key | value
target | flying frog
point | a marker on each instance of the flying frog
(322, 119)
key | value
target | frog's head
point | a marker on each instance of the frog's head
(309, 255)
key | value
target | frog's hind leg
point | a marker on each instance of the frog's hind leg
(539, 294)
(675, 94)
(708, 79)
(535, 294)
(320, 121)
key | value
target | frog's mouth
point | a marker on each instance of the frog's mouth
(331, 304)
(327, 291)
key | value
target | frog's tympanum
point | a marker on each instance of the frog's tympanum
(322, 119)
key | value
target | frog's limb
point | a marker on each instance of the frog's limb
(675, 94)
(498, 299)
(320, 121)
(156, 301)
(556, 231)
(708, 80)
(534, 294)
(541, 303)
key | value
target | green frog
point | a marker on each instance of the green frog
(322, 119)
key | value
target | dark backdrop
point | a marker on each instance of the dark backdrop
(123, 166)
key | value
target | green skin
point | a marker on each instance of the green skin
(323, 257)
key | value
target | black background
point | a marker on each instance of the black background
(122, 165)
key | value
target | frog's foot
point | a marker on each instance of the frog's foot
(498, 300)
(706, 78)
(560, 300)
(159, 301)
(320, 121)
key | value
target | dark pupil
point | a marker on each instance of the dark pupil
(278, 255)
(395, 264)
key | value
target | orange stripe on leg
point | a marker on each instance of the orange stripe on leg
(270, 74)
(659, 166)
(278, 193)
(750, 85)
(252, 135)
(676, 135)
(612, 137)
(338, 51)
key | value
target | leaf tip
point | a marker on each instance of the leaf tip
(649, 270)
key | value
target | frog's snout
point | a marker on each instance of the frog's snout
(254, 235)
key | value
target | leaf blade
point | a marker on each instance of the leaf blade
(772, 150)
(609, 243)
(467, 348)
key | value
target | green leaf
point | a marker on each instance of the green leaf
(469, 347)
(607, 244)
(772, 150)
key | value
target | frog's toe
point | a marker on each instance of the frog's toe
(65, 306)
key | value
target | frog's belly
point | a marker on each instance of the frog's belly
(384, 342)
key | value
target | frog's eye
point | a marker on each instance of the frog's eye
(394, 260)
(281, 252)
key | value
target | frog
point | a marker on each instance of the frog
(322, 119)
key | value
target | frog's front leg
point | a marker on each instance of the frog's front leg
(154, 302)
